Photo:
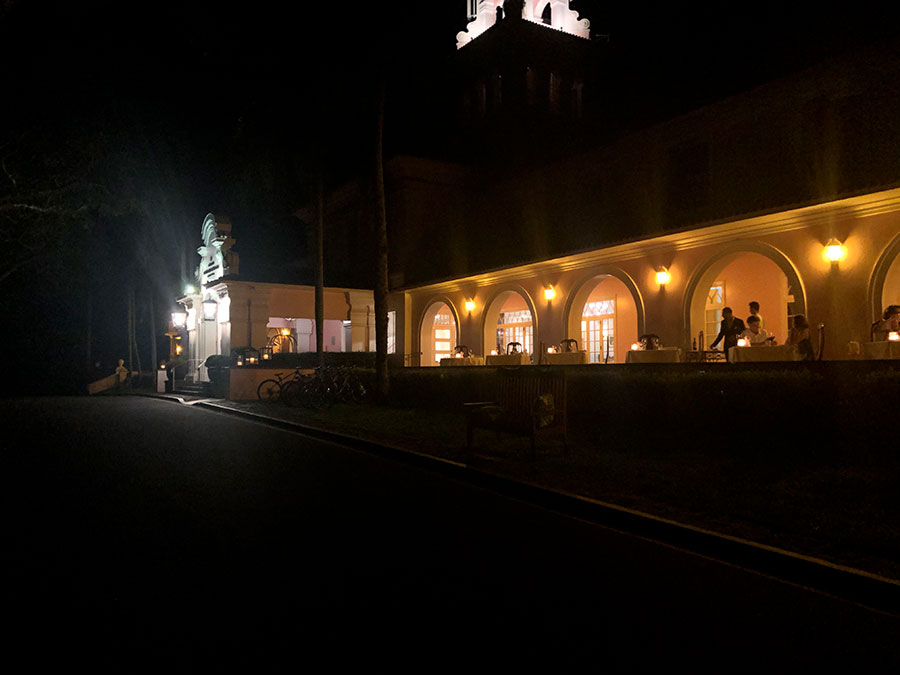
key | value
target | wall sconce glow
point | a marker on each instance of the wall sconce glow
(894, 336)
(470, 305)
(189, 290)
(285, 331)
(179, 319)
(662, 276)
(834, 250)
(210, 308)
(549, 293)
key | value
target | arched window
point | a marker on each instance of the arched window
(547, 15)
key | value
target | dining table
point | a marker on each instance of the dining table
(664, 355)
(578, 358)
(763, 353)
(462, 361)
(881, 350)
(516, 359)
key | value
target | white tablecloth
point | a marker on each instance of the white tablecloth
(507, 360)
(763, 353)
(653, 356)
(463, 361)
(881, 350)
(567, 358)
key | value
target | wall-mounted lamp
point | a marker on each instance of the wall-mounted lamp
(470, 305)
(179, 319)
(189, 290)
(549, 293)
(835, 250)
(662, 275)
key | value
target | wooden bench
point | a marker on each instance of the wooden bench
(531, 401)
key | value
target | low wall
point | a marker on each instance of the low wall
(243, 382)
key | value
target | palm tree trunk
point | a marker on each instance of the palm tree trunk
(320, 269)
(382, 380)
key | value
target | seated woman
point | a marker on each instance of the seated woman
(890, 322)
(799, 336)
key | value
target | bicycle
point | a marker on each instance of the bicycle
(271, 390)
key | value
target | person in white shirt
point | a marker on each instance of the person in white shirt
(756, 335)
(754, 311)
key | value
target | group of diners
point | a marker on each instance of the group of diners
(889, 323)
(754, 334)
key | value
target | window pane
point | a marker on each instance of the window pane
(442, 334)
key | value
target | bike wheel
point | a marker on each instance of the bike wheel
(269, 391)
(291, 394)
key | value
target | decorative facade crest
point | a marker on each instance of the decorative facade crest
(554, 14)
(216, 257)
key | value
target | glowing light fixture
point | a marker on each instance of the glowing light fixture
(210, 308)
(551, 349)
(635, 346)
(743, 342)
(265, 353)
(470, 305)
(189, 290)
(178, 350)
(662, 275)
(179, 319)
(285, 331)
(549, 293)
(835, 250)
(239, 360)
(894, 336)
(493, 352)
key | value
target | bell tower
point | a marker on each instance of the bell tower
(520, 72)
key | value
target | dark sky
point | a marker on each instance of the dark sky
(200, 106)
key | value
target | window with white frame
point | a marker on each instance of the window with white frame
(443, 336)
(515, 327)
(392, 332)
(715, 301)
(598, 330)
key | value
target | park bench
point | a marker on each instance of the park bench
(531, 401)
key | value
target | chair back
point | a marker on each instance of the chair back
(514, 348)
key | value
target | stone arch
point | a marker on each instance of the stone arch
(886, 267)
(705, 273)
(583, 289)
(426, 323)
(492, 313)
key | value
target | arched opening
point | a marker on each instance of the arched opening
(606, 317)
(735, 279)
(507, 319)
(547, 15)
(437, 336)
(884, 288)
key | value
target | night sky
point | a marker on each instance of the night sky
(148, 116)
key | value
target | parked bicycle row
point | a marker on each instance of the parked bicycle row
(321, 388)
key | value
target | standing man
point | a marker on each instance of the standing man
(754, 311)
(730, 329)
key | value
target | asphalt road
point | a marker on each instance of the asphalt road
(144, 534)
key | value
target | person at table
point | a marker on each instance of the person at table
(755, 335)
(729, 330)
(890, 322)
(799, 336)
(754, 311)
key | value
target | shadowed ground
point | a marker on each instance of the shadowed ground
(143, 533)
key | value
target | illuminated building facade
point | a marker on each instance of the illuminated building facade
(224, 311)
(735, 201)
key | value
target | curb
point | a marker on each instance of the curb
(856, 586)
